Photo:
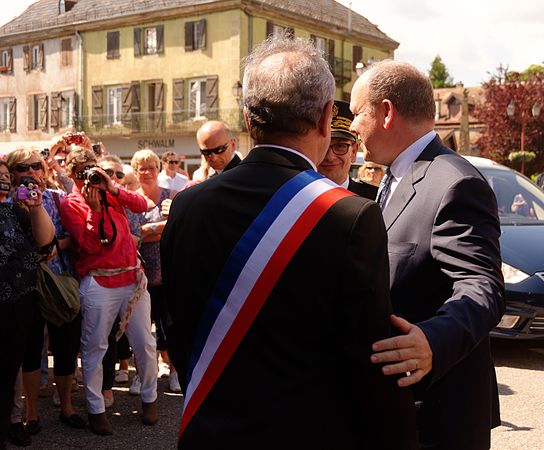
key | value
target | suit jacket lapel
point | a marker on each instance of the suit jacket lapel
(406, 190)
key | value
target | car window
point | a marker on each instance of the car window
(518, 199)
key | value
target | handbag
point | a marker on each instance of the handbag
(59, 294)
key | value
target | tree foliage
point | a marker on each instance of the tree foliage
(502, 133)
(439, 75)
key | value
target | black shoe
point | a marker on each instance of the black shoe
(33, 426)
(18, 435)
(73, 421)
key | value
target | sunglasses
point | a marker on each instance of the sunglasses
(173, 162)
(111, 172)
(339, 149)
(215, 151)
(25, 167)
(373, 168)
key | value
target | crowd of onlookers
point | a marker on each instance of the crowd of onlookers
(106, 234)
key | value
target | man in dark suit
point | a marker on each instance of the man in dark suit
(445, 266)
(299, 375)
(343, 152)
(218, 146)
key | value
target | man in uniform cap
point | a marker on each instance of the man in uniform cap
(342, 153)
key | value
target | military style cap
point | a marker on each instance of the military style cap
(341, 121)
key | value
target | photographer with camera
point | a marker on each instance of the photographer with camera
(30, 177)
(25, 228)
(112, 281)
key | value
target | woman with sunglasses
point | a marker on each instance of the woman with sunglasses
(146, 167)
(112, 281)
(25, 229)
(63, 340)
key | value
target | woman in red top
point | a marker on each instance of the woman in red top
(112, 282)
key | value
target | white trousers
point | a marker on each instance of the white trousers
(100, 307)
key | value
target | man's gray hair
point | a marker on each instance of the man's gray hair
(410, 90)
(287, 94)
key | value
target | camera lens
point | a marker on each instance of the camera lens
(94, 178)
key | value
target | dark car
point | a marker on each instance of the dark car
(521, 213)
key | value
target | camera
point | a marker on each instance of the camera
(89, 174)
(45, 153)
(28, 189)
(96, 149)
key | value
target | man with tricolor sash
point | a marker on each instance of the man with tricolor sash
(277, 279)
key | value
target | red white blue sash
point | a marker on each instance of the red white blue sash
(250, 274)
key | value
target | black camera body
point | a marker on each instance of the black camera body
(91, 175)
(45, 153)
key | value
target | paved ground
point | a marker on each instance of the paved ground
(520, 372)
(129, 432)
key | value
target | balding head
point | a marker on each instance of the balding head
(216, 143)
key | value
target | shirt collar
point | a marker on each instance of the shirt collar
(289, 150)
(345, 184)
(405, 159)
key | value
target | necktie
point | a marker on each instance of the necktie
(383, 190)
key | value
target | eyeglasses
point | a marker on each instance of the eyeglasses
(146, 169)
(173, 162)
(82, 174)
(373, 168)
(215, 151)
(111, 172)
(340, 148)
(25, 167)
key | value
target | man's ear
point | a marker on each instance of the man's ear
(324, 124)
(354, 149)
(389, 113)
(246, 119)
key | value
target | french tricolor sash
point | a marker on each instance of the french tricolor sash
(249, 275)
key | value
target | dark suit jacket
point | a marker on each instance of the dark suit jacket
(301, 377)
(445, 265)
(365, 190)
(233, 162)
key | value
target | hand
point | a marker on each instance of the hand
(410, 352)
(91, 194)
(106, 183)
(165, 207)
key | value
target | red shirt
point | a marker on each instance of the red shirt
(83, 225)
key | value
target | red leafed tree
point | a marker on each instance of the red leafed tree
(503, 132)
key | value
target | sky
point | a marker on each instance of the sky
(471, 36)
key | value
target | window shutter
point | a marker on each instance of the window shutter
(159, 105)
(13, 114)
(189, 43)
(200, 34)
(41, 57)
(26, 58)
(97, 105)
(76, 119)
(269, 28)
(357, 55)
(112, 43)
(126, 97)
(330, 56)
(160, 38)
(55, 109)
(42, 124)
(212, 100)
(137, 41)
(135, 105)
(66, 52)
(10, 61)
(30, 113)
(178, 87)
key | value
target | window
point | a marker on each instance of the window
(33, 57)
(62, 109)
(321, 44)
(197, 98)
(4, 114)
(112, 39)
(195, 35)
(66, 52)
(278, 30)
(5, 58)
(6, 62)
(152, 41)
(357, 55)
(114, 102)
(37, 112)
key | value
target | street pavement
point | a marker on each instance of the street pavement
(125, 417)
(520, 374)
